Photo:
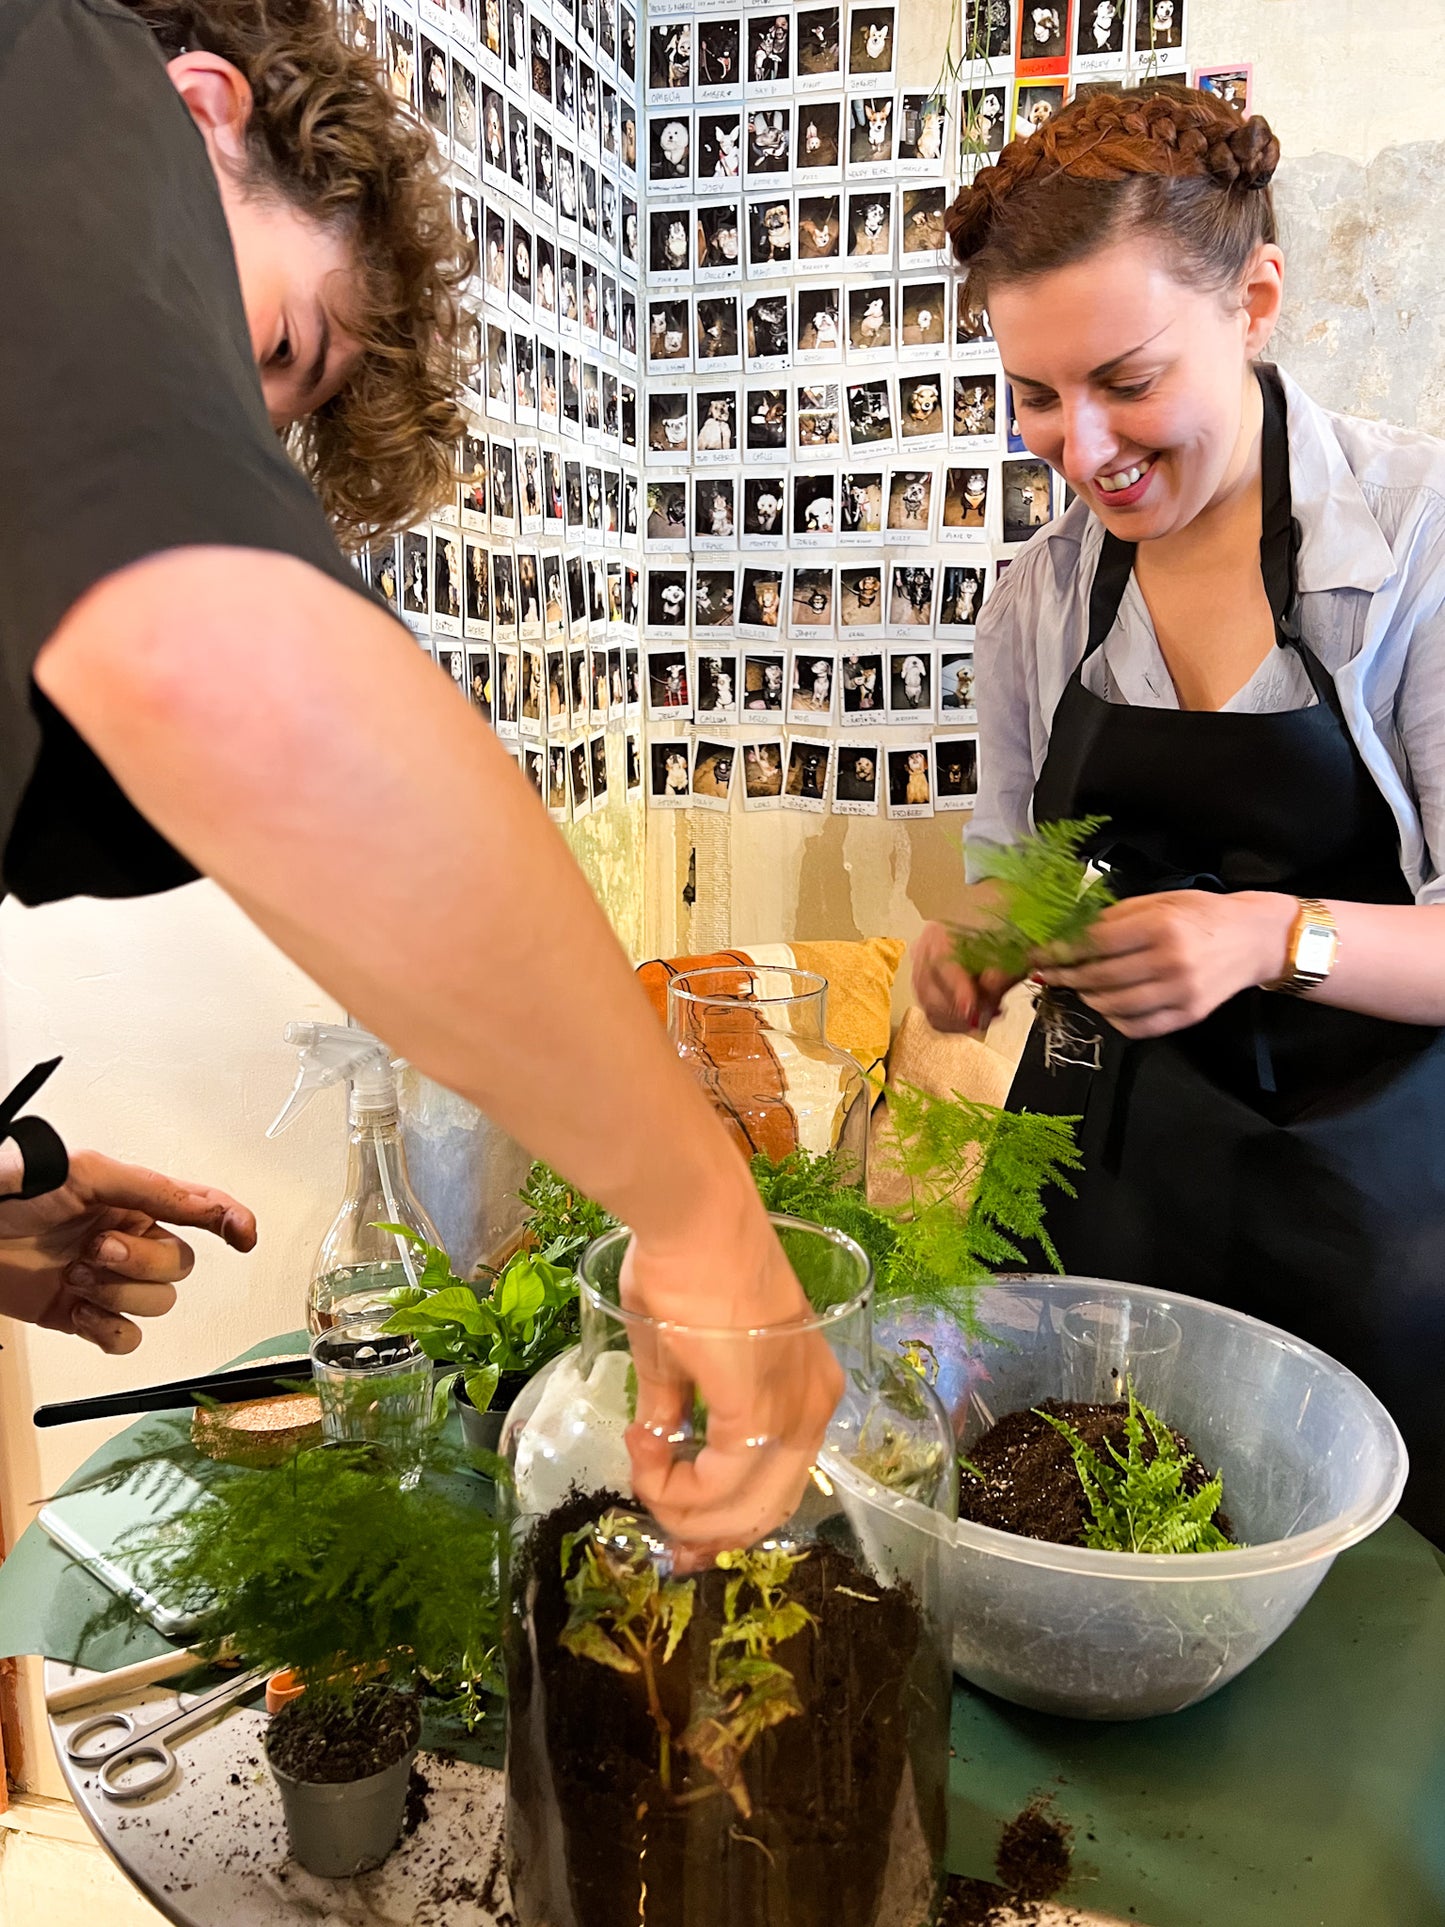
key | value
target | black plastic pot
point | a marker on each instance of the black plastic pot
(483, 1430)
(345, 1827)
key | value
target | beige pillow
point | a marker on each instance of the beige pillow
(941, 1063)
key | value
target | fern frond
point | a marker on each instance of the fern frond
(1046, 897)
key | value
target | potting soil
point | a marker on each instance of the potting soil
(839, 1835)
(329, 1742)
(1031, 1485)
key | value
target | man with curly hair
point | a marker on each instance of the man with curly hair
(231, 269)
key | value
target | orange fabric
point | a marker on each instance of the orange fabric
(729, 1053)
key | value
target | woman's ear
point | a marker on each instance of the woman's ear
(1262, 297)
(218, 98)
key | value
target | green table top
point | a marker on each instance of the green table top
(1309, 1793)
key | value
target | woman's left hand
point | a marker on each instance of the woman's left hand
(1157, 964)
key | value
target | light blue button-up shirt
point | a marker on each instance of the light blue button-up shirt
(1370, 502)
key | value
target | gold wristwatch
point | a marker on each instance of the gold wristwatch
(1314, 945)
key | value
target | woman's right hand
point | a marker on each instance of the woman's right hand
(950, 998)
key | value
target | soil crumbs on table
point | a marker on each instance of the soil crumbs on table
(1032, 1866)
(1030, 1484)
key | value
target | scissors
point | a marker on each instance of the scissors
(112, 1745)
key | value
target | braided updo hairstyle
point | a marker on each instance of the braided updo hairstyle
(1178, 164)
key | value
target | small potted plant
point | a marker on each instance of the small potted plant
(372, 1587)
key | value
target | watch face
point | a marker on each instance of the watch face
(1315, 951)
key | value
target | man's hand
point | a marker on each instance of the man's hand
(768, 1400)
(1157, 964)
(80, 1258)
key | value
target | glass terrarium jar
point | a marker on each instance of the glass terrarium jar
(762, 1742)
(754, 1036)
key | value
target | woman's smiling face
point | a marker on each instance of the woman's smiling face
(1134, 386)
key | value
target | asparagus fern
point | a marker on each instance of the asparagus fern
(1046, 898)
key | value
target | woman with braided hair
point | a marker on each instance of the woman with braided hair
(1231, 649)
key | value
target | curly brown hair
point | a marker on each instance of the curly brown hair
(1178, 163)
(327, 135)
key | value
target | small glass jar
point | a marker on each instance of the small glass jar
(755, 1038)
(761, 1742)
(375, 1387)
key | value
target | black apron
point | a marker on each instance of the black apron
(1281, 1157)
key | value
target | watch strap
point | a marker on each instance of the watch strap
(1312, 918)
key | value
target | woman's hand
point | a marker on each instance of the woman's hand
(1157, 964)
(950, 998)
(92, 1255)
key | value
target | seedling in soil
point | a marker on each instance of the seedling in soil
(1139, 1498)
(624, 1614)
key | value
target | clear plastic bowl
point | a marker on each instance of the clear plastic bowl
(1311, 1460)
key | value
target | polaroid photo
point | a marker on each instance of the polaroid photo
(415, 604)
(922, 236)
(770, 236)
(669, 684)
(627, 327)
(519, 153)
(861, 688)
(762, 772)
(557, 798)
(524, 377)
(1036, 103)
(819, 158)
(590, 318)
(669, 250)
(818, 232)
(489, 40)
(631, 495)
(718, 333)
(589, 109)
(717, 242)
(508, 689)
(568, 192)
(665, 527)
(494, 257)
(386, 575)
(805, 785)
(446, 549)
(556, 701)
(669, 335)
(766, 324)
(764, 524)
(579, 778)
(910, 785)
(814, 523)
(529, 596)
(669, 63)
(983, 123)
(861, 499)
(714, 600)
(922, 135)
(593, 524)
(760, 603)
(870, 322)
(1232, 85)
(912, 591)
(612, 410)
(961, 597)
(715, 439)
(988, 34)
(719, 74)
(715, 690)
(860, 602)
(553, 504)
(586, 24)
(667, 424)
(564, 86)
(872, 44)
(477, 590)
(974, 420)
(812, 607)
(534, 676)
(769, 54)
(712, 773)
(499, 374)
(466, 115)
(667, 601)
(818, 54)
(632, 765)
(611, 128)
(630, 246)
(578, 685)
(1027, 496)
(921, 418)
(627, 141)
(402, 79)
(719, 148)
(360, 26)
(520, 271)
(870, 227)
(544, 281)
(1099, 46)
(909, 514)
(715, 511)
(922, 313)
(870, 137)
(1159, 31)
(1149, 78)
(452, 661)
(607, 34)
(855, 778)
(571, 394)
(541, 64)
(610, 231)
(469, 219)
(955, 772)
(818, 335)
(764, 684)
(626, 46)
(669, 152)
(515, 45)
(554, 598)
(818, 418)
(588, 190)
(577, 620)
(480, 675)
(956, 686)
(597, 754)
(768, 153)
(964, 516)
(972, 336)
(669, 773)
(870, 414)
(1045, 36)
(475, 481)
(614, 627)
(765, 425)
(572, 495)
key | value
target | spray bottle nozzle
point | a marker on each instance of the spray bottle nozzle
(333, 1054)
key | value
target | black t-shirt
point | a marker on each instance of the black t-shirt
(131, 414)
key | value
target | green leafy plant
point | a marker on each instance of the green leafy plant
(1139, 1498)
(1045, 898)
(561, 1222)
(529, 1315)
(624, 1614)
(748, 1689)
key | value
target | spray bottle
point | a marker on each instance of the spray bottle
(357, 1264)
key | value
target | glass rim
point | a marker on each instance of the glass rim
(365, 1335)
(641, 1321)
(814, 984)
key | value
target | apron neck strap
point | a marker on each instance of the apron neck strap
(44, 1162)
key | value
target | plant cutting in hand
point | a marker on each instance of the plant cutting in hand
(528, 1317)
(1140, 1498)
